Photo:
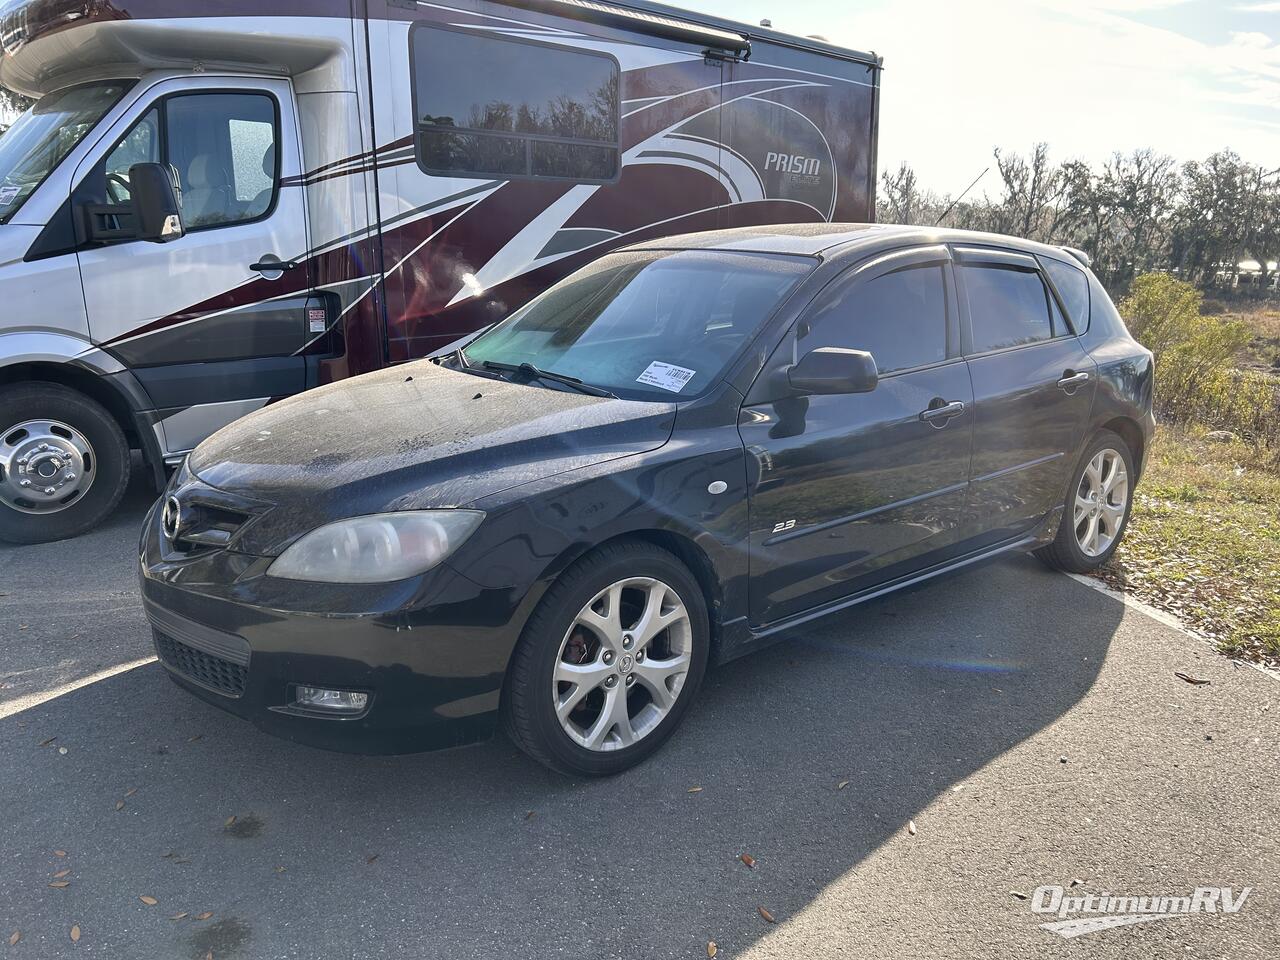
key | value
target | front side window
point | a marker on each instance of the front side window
(900, 318)
(489, 106)
(44, 134)
(221, 147)
(1008, 306)
(649, 325)
(141, 145)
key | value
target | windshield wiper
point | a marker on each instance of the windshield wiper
(529, 369)
(456, 356)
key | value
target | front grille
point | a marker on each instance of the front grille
(197, 518)
(217, 674)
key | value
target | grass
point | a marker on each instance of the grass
(1263, 352)
(1203, 542)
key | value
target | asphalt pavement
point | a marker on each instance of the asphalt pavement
(903, 776)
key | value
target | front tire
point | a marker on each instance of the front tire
(64, 463)
(1096, 513)
(609, 662)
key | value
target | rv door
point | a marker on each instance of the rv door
(213, 323)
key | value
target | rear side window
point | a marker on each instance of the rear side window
(1008, 306)
(900, 318)
(488, 106)
(1073, 287)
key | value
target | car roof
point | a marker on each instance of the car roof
(824, 239)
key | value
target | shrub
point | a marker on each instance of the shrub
(1196, 379)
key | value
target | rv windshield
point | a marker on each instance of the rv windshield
(648, 325)
(44, 134)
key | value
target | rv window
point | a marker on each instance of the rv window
(499, 107)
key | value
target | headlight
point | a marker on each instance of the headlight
(377, 548)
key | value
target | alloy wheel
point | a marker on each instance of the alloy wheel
(45, 466)
(622, 664)
(1101, 501)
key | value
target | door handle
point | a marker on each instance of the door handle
(1070, 380)
(944, 412)
(272, 266)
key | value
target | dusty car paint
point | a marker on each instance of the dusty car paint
(823, 501)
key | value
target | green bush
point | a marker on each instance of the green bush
(1196, 378)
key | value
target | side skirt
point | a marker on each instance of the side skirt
(738, 638)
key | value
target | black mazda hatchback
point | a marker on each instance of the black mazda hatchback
(667, 460)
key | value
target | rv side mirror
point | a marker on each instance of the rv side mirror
(834, 370)
(156, 208)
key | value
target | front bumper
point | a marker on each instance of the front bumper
(432, 667)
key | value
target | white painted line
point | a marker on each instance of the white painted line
(1162, 616)
(12, 707)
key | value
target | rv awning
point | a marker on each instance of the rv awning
(684, 31)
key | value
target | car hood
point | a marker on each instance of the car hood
(410, 437)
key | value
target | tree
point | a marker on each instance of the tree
(902, 201)
(1120, 217)
(1088, 217)
(12, 103)
(1031, 204)
(1139, 213)
(1262, 224)
(1209, 226)
(1144, 188)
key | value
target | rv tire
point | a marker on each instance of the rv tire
(64, 462)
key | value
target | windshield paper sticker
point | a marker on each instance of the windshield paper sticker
(8, 195)
(666, 376)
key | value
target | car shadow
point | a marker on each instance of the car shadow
(808, 756)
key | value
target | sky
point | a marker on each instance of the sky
(1089, 77)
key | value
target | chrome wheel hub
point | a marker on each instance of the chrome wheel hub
(45, 466)
(622, 664)
(1101, 502)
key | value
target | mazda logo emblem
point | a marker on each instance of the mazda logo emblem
(171, 518)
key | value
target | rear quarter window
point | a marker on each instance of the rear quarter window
(1073, 287)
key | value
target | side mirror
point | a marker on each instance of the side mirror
(157, 210)
(834, 370)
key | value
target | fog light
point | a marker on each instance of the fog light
(330, 701)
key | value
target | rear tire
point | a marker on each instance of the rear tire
(84, 454)
(1097, 507)
(609, 662)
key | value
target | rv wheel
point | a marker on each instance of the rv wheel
(64, 463)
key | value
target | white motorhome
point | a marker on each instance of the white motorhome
(212, 206)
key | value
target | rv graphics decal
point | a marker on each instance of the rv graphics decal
(792, 163)
(704, 145)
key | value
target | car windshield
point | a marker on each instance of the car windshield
(44, 134)
(647, 325)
